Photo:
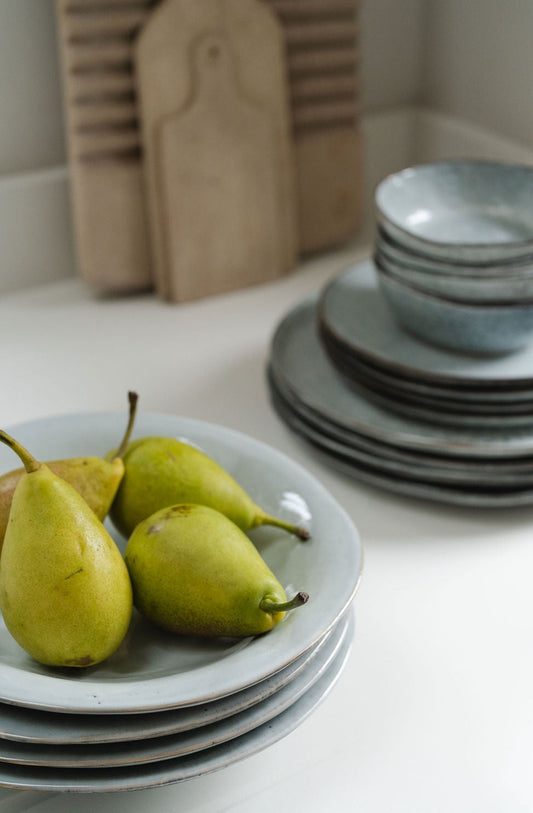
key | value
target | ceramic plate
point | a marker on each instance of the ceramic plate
(409, 469)
(137, 752)
(376, 472)
(299, 361)
(427, 409)
(153, 670)
(465, 210)
(47, 727)
(505, 470)
(178, 769)
(506, 403)
(355, 312)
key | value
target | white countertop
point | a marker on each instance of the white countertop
(434, 711)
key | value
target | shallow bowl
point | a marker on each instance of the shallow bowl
(468, 210)
(520, 267)
(467, 327)
(462, 288)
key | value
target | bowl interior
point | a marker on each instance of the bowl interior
(461, 203)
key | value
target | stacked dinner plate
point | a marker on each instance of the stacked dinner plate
(167, 708)
(399, 411)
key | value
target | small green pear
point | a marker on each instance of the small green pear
(163, 471)
(96, 479)
(65, 591)
(194, 572)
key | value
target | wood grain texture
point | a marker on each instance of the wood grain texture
(97, 42)
(237, 199)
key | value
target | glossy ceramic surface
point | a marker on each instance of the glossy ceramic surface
(486, 328)
(470, 210)
(178, 769)
(155, 671)
(355, 312)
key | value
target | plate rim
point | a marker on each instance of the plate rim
(160, 693)
(380, 360)
(179, 769)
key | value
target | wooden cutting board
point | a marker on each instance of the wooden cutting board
(217, 147)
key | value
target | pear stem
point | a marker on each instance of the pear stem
(30, 463)
(268, 606)
(265, 519)
(132, 398)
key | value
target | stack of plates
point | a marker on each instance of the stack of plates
(165, 708)
(397, 412)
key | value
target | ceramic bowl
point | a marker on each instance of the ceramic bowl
(459, 287)
(510, 269)
(469, 210)
(466, 327)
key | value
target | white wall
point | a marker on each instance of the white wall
(31, 125)
(478, 63)
(471, 59)
(392, 35)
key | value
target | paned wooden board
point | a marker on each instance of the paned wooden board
(108, 201)
(322, 63)
(109, 180)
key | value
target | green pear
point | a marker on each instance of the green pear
(65, 591)
(163, 471)
(96, 479)
(194, 572)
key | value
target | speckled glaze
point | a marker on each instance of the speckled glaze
(354, 311)
(474, 289)
(513, 267)
(473, 328)
(460, 210)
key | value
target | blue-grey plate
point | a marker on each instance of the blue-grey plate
(143, 749)
(23, 725)
(178, 769)
(299, 361)
(153, 670)
(436, 472)
(355, 312)
(387, 474)
(429, 409)
(452, 400)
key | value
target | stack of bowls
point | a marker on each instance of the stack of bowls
(454, 253)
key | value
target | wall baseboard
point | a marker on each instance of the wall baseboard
(36, 235)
